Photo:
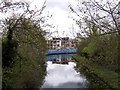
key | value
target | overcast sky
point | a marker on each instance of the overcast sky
(61, 15)
(61, 12)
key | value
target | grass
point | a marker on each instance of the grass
(111, 77)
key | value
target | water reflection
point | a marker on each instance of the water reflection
(63, 76)
(58, 57)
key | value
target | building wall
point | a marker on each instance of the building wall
(57, 43)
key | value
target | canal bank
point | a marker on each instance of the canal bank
(105, 78)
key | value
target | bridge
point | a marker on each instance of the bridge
(61, 51)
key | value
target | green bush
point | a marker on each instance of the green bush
(101, 49)
(90, 49)
(28, 69)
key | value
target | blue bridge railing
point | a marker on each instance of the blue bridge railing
(61, 51)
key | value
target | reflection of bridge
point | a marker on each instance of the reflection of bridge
(61, 51)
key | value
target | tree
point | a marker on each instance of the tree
(101, 18)
(24, 45)
(105, 15)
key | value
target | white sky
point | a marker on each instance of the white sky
(61, 12)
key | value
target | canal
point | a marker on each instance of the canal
(68, 76)
(63, 75)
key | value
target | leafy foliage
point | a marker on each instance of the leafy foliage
(28, 55)
(23, 47)
(99, 31)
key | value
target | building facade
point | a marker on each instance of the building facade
(58, 43)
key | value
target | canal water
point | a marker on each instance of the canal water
(66, 76)
(63, 75)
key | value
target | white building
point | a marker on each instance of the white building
(57, 43)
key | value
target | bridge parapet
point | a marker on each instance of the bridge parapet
(61, 51)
